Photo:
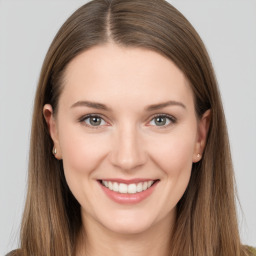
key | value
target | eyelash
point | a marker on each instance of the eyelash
(172, 120)
(82, 120)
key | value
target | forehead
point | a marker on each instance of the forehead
(115, 74)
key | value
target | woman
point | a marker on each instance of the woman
(129, 149)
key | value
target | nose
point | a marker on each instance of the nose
(128, 150)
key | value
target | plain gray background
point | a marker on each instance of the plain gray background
(27, 28)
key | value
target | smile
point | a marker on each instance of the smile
(127, 188)
(128, 191)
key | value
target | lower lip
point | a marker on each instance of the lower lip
(128, 198)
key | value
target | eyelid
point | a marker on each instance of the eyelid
(172, 119)
(84, 117)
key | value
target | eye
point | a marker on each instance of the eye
(162, 120)
(93, 121)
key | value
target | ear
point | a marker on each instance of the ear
(53, 129)
(203, 128)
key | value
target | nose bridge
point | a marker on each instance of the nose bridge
(128, 151)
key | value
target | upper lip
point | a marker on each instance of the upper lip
(128, 181)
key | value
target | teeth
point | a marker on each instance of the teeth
(139, 187)
(115, 186)
(122, 188)
(130, 189)
(105, 183)
(145, 186)
(150, 183)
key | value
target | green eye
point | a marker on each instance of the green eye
(162, 120)
(94, 121)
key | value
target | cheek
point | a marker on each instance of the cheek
(81, 152)
(174, 155)
(175, 160)
(174, 152)
(81, 155)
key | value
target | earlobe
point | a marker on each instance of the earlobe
(203, 128)
(52, 128)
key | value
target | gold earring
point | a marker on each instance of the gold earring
(54, 151)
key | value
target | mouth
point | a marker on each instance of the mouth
(130, 188)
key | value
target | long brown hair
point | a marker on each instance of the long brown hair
(206, 216)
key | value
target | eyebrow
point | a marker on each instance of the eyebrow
(101, 106)
(91, 104)
(165, 104)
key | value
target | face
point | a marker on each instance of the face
(127, 133)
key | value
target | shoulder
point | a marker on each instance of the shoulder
(14, 253)
(251, 250)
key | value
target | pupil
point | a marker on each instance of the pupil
(95, 121)
(160, 121)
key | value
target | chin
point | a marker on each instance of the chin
(128, 228)
(128, 224)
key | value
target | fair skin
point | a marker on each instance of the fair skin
(124, 142)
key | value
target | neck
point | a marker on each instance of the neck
(102, 241)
